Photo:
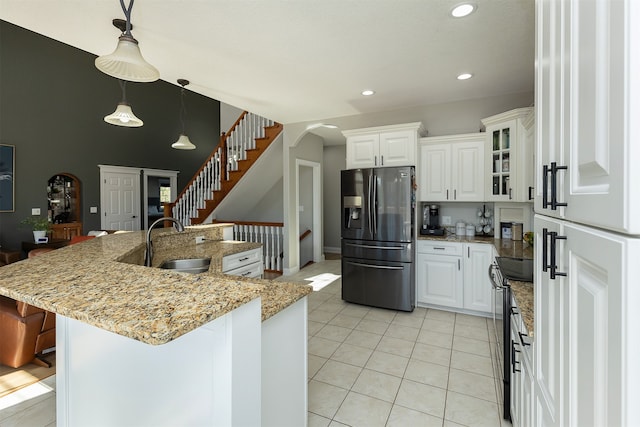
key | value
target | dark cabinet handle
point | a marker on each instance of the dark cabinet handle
(554, 186)
(381, 160)
(530, 193)
(522, 338)
(510, 193)
(549, 254)
(447, 194)
(513, 311)
(545, 187)
(455, 194)
(513, 357)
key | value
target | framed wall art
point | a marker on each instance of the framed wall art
(7, 177)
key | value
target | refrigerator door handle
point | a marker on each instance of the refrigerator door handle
(375, 247)
(374, 203)
(378, 267)
(369, 204)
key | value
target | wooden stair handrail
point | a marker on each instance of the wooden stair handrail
(305, 234)
(266, 224)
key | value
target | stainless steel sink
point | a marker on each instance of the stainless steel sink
(192, 265)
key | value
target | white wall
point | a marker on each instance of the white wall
(228, 116)
(334, 160)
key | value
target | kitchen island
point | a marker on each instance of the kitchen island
(146, 346)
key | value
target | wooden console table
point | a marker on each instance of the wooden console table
(53, 244)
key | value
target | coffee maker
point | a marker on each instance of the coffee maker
(431, 220)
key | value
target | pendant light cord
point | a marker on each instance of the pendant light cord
(123, 86)
(183, 110)
(127, 14)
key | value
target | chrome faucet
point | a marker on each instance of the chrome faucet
(148, 254)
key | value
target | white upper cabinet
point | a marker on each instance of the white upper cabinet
(509, 157)
(383, 146)
(588, 56)
(451, 168)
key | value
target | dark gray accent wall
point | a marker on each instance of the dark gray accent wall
(52, 104)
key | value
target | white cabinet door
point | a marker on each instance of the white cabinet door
(435, 173)
(588, 54)
(467, 171)
(551, 305)
(440, 280)
(587, 375)
(362, 151)
(451, 168)
(477, 287)
(398, 148)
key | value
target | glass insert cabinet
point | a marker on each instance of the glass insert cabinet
(501, 153)
(64, 206)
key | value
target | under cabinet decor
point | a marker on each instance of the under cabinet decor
(383, 146)
(7, 183)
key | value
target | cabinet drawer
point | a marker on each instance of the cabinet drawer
(241, 259)
(440, 248)
(254, 270)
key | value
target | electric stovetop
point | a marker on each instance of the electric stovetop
(520, 269)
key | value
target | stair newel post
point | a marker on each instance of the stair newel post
(223, 157)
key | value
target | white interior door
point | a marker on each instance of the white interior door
(120, 198)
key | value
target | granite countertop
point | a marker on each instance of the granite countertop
(102, 282)
(522, 291)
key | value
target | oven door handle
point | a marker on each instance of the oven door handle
(379, 267)
(387, 248)
(495, 284)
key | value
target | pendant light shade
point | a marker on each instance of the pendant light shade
(183, 142)
(123, 116)
(126, 62)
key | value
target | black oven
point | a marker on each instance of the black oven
(502, 328)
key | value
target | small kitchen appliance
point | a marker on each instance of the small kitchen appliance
(431, 220)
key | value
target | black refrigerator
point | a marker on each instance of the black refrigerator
(378, 246)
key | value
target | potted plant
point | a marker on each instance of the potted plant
(39, 225)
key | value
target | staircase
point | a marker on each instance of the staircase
(239, 148)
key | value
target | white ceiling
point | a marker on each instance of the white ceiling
(305, 60)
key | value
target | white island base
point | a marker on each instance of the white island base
(212, 376)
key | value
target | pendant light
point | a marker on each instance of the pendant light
(183, 142)
(126, 62)
(123, 116)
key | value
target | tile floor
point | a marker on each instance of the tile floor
(367, 367)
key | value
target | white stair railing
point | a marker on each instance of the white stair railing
(271, 236)
(241, 137)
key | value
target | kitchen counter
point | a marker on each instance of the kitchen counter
(103, 283)
(522, 291)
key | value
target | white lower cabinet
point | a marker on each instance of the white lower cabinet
(522, 379)
(245, 264)
(454, 275)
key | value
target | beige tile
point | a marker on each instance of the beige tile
(334, 423)
(427, 373)
(387, 363)
(344, 321)
(314, 327)
(472, 363)
(359, 410)
(448, 423)
(338, 374)
(318, 315)
(377, 384)
(314, 363)
(405, 417)
(334, 333)
(325, 399)
(471, 384)
(413, 319)
(470, 411)
(319, 297)
(421, 397)
(477, 333)
(331, 306)
(322, 347)
(432, 354)
(314, 420)
(435, 338)
(444, 316)
(363, 339)
(469, 345)
(355, 310)
(402, 332)
(373, 326)
(395, 346)
(380, 314)
(352, 354)
(41, 413)
(434, 325)
(470, 320)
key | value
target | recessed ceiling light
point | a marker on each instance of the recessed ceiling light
(465, 76)
(462, 10)
(367, 92)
